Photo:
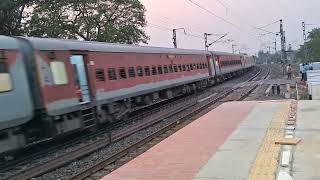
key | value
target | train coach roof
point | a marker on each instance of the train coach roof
(224, 53)
(8, 43)
(63, 44)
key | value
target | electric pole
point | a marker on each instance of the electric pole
(175, 45)
(233, 46)
(175, 38)
(304, 31)
(283, 47)
(304, 39)
(206, 41)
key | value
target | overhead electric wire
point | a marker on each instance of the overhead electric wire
(212, 13)
(269, 24)
(177, 24)
(174, 24)
(264, 30)
(170, 29)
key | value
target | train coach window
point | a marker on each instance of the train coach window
(3, 66)
(59, 72)
(5, 79)
(147, 70)
(198, 66)
(160, 71)
(188, 67)
(165, 69)
(170, 68)
(191, 67)
(175, 67)
(112, 74)
(122, 73)
(180, 67)
(184, 67)
(100, 75)
(131, 72)
(139, 71)
(154, 70)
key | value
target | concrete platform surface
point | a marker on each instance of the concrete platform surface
(306, 164)
(235, 141)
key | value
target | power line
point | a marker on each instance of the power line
(160, 19)
(269, 24)
(170, 29)
(213, 14)
(167, 20)
(265, 30)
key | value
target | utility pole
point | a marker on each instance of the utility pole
(283, 47)
(206, 41)
(304, 39)
(304, 31)
(175, 38)
(275, 46)
(233, 46)
(175, 45)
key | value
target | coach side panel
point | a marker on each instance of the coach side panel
(124, 75)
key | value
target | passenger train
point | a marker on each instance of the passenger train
(53, 87)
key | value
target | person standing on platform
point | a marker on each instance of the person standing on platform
(289, 72)
(306, 68)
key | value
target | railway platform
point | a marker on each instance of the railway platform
(237, 141)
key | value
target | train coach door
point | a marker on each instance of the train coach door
(80, 74)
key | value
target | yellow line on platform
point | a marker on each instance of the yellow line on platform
(266, 163)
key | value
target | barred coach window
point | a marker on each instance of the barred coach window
(165, 69)
(131, 72)
(160, 71)
(147, 71)
(112, 74)
(100, 74)
(154, 70)
(139, 71)
(122, 73)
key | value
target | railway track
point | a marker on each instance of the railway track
(178, 112)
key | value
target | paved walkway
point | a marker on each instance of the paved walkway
(306, 164)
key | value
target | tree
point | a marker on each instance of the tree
(92, 20)
(267, 58)
(310, 51)
(12, 14)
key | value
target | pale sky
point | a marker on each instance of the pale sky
(163, 15)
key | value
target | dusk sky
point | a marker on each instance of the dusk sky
(163, 15)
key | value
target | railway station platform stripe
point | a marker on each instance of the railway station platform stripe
(265, 165)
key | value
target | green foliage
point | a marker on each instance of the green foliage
(119, 21)
(310, 51)
(12, 14)
(267, 58)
